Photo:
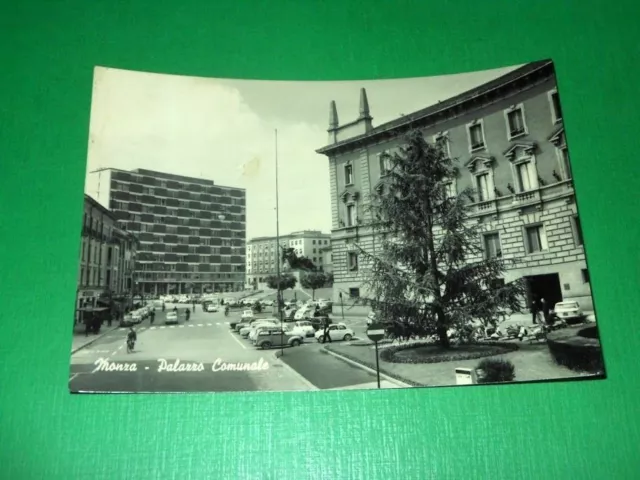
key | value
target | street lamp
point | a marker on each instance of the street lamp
(278, 292)
(222, 218)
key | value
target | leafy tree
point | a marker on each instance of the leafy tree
(313, 281)
(328, 279)
(286, 281)
(430, 275)
(297, 262)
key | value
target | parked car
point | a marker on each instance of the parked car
(267, 303)
(247, 314)
(303, 328)
(246, 331)
(305, 312)
(263, 326)
(336, 333)
(276, 337)
(171, 318)
(211, 307)
(568, 310)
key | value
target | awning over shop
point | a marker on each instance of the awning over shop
(92, 309)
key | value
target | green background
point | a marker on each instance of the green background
(541, 431)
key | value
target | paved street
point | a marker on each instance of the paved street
(199, 343)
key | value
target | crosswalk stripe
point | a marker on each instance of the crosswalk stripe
(191, 325)
(172, 326)
(226, 323)
(161, 328)
(181, 326)
(208, 324)
(218, 323)
(199, 324)
(152, 328)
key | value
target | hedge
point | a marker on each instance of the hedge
(497, 348)
(577, 348)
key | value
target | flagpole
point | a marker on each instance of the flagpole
(278, 295)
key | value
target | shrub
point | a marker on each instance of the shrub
(465, 352)
(577, 348)
(496, 370)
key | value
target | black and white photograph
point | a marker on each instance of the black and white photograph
(253, 235)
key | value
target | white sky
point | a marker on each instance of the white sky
(223, 130)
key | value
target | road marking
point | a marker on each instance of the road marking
(172, 326)
(200, 325)
(209, 324)
(226, 323)
(191, 325)
(152, 328)
(161, 328)
(120, 347)
(73, 376)
(146, 368)
(237, 341)
(180, 326)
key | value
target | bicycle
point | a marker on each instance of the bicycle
(130, 345)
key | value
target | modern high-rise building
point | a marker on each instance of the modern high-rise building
(262, 252)
(192, 232)
(507, 140)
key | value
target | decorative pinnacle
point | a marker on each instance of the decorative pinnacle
(364, 104)
(333, 115)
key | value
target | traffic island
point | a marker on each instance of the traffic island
(428, 352)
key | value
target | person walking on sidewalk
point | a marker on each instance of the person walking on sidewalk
(152, 316)
(187, 314)
(326, 336)
(545, 311)
(535, 311)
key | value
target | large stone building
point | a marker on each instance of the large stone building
(507, 140)
(262, 253)
(107, 257)
(192, 233)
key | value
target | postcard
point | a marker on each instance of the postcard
(291, 236)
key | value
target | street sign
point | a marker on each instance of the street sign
(465, 376)
(375, 332)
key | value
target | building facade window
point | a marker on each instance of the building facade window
(475, 132)
(515, 120)
(348, 174)
(352, 261)
(577, 231)
(450, 189)
(351, 215)
(525, 172)
(441, 141)
(354, 293)
(384, 162)
(492, 247)
(585, 276)
(482, 185)
(535, 238)
(554, 103)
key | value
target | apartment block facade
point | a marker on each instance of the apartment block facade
(262, 253)
(192, 232)
(107, 256)
(507, 140)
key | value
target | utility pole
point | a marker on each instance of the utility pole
(279, 291)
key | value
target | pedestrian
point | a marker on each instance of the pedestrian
(152, 316)
(110, 318)
(187, 314)
(535, 310)
(545, 311)
(327, 337)
(87, 325)
(163, 306)
(194, 306)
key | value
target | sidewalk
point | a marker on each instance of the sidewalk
(80, 340)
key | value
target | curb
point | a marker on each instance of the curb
(277, 354)
(370, 370)
(95, 339)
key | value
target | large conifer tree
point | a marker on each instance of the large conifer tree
(429, 273)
